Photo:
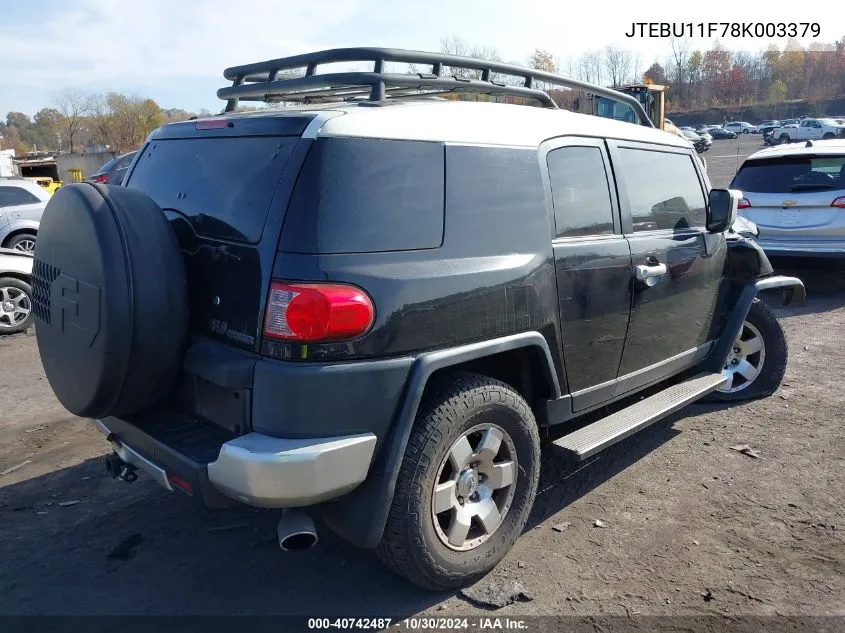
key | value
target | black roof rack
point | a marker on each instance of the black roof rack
(262, 81)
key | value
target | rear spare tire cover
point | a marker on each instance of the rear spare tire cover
(110, 298)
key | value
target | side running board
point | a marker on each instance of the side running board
(591, 439)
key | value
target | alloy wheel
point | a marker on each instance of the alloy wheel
(745, 361)
(474, 487)
(15, 307)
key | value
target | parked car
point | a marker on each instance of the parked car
(112, 172)
(810, 129)
(765, 124)
(16, 313)
(740, 127)
(700, 144)
(718, 132)
(796, 196)
(22, 202)
(319, 321)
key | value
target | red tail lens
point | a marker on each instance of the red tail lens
(839, 202)
(317, 312)
(103, 178)
(213, 124)
(744, 204)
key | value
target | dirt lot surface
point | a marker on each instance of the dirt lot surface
(692, 527)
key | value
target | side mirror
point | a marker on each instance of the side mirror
(721, 209)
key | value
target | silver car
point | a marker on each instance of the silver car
(21, 204)
(795, 194)
(16, 309)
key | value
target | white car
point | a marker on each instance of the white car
(22, 202)
(764, 124)
(16, 313)
(740, 127)
(795, 194)
(810, 130)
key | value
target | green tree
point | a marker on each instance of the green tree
(777, 91)
(46, 128)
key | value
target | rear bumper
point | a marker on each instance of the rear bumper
(255, 469)
(802, 247)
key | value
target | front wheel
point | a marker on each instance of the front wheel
(16, 313)
(784, 138)
(24, 242)
(757, 360)
(466, 485)
(828, 136)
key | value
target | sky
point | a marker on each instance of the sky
(174, 51)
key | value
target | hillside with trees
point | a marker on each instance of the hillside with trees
(704, 83)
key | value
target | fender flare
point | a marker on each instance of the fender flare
(793, 293)
(347, 516)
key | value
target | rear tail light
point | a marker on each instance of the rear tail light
(102, 178)
(744, 204)
(839, 202)
(180, 483)
(317, 312)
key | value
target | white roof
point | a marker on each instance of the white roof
(468, 122)
(833, 146)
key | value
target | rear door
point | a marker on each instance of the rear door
(677, 263)
(794, 197)
(592, 264)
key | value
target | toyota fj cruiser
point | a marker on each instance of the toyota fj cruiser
(375, 307)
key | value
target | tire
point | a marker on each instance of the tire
(828, 135)
(23, 242)
(414, 544)
(784, 138)
(745, 131)
(110, 299)
(770, 361)
(16, 313)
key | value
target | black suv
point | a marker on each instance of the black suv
(375, 308)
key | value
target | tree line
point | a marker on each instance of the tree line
(695, 79)
(76, 120)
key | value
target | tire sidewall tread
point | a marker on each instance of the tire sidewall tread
(452, 404)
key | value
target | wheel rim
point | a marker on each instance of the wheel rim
(27, 245)
(474, 488)
(745, 361)
(15, 307)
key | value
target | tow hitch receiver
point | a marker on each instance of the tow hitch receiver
(120, 469)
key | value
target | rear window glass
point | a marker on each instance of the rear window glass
(223, 186)
(787, 175)
(367, 195)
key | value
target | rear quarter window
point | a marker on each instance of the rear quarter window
(367, 195)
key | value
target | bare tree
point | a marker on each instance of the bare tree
(617, 62)
(73, 106)
(680, 57)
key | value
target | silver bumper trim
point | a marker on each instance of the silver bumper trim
(271, 472)
(131, 456)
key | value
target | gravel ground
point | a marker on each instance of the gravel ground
(692, 527)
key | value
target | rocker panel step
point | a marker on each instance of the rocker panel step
(597, 436)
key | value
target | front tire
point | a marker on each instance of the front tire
(466, 484)
(784, 138)
(828, 136)
(16, 314)
(757, 368)
(24, 242)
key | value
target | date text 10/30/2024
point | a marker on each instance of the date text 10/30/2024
(418, 624)
(724, 29)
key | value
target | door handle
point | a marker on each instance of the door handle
(644, 273)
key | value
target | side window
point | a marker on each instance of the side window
(663, 190)
(580, 192)
(13, 196)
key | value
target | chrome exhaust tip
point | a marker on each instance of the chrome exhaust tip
(296, 531)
